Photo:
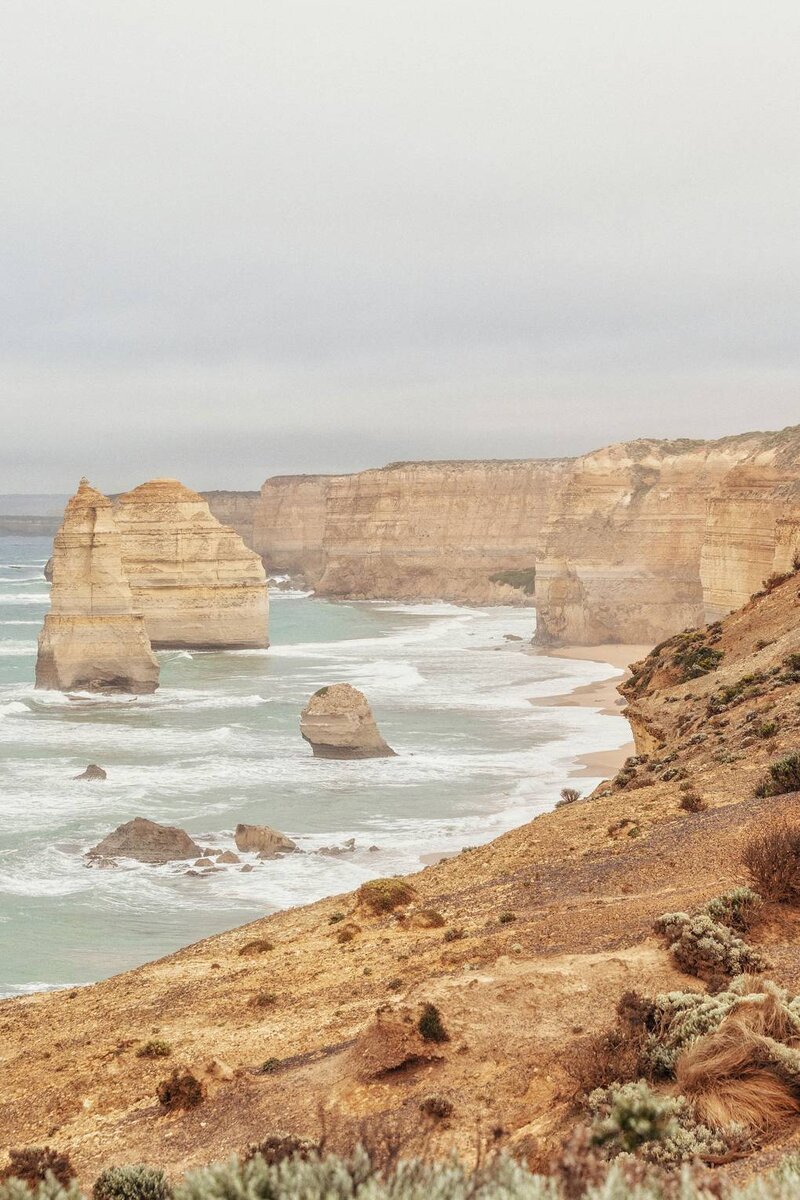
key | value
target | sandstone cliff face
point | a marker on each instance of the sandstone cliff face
(629, 543)
(621, 554)
(411, 531)
(92, 639)
(193, 579)
(237, 509)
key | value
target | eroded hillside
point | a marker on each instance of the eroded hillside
(524, 946)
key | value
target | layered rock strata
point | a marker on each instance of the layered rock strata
(195, 582)
(93, 638)
(626, 544)
(337, 722)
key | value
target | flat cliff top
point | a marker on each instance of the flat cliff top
(525, 945)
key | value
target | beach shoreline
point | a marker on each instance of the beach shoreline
(601, 695)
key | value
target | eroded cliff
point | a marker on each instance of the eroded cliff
(628, 544)
(193, 579)
(93, 639)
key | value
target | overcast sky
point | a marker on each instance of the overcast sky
(263, 236)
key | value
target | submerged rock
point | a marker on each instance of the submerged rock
(146, 841)
(92, 772)
(337, 722)
(266, 842)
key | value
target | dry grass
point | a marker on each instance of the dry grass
(772, 861)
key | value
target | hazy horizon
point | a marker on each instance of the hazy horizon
(291, 236)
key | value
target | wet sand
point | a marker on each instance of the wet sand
(602, 696)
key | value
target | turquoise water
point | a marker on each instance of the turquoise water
(219, 743)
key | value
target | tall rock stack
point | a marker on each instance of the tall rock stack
(192, 578)
(92, 639)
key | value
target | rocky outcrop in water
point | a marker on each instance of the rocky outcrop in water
(195, 582)
(93, 639)
(92, 773)
(147, 842)
(337, 722)
(262, 840)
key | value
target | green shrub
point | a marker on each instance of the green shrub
(691, 802)
(783, 776)
(155, 1048)
(695, 658)
(430, 1025)
(704, 947)
(632, 1117)
(281, 1146)
(738, 908)
(131, 1183)
(524, 580)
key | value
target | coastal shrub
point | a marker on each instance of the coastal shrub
(180, 1090)
(454, 934)
(524, 580)
(335, 917)
(384, 895)
(739, 908)
(631, 1117)
(772, 861)
(734, 693)
(704, 947)
(428, 918)
(279, 1147)
(256, 946)
(692, 802)
(32, 1165)
(695, 658)
(783, 776)
(264, 999)
(507, 917)
(568, 796)
(155, 1048)
(774, 580)
(430, 1025)
(767, 729)
(131, 1183)
(579, 1172)
(438, 1107)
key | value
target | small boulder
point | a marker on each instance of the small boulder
(266, 842)
(92, 772)
(228, 856)
(204, 862)
(337, 722)
(147, 842)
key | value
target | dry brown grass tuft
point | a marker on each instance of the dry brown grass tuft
(772, 861)
(743, 1073)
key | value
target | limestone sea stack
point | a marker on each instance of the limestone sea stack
(337, 722)
(92, 639)
(192, 578)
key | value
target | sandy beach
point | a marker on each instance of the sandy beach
(602, 696)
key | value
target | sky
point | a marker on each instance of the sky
(268, 236)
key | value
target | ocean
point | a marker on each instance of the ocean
(219, 743)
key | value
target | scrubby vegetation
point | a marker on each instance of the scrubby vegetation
(523, 580)
(783, 776)
(772, 861)
(568, 796)
(256, 946)
(33, 1164)
(707, 948)
(580, 1172)
(744, 688)
(155, 1048)
(384, 895)
(131, 1183)
(180, 1090)
(691, 802)
(430, 1025)
(631, 1117)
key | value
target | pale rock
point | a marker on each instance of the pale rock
(93, 639)
(228, 856)
(195, 582)
(337, 722)
(262, 839)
